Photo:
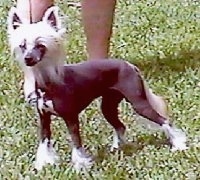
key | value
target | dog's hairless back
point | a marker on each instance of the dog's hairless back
(84, 82)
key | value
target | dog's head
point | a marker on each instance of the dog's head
(36, 43)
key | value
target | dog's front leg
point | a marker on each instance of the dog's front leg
(79, 157)
(45, 152)
(30, 88)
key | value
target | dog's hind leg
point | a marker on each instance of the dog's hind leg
(45, 152)
(109, 107)
(147, 104)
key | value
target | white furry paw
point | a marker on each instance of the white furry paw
(178, 144)
(176, 136)
(114, 147)
(80, 159)
(118, 140)
(32, 98)
(45, 155)
(115, 144)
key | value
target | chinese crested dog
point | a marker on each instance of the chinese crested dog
(65, 90)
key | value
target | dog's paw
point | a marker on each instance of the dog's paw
(47, 159)
(114, 147)
(81, 160)
(45, 155)
(118, 140)
(176, 136)
(180, 147)
(178, 144)
(32, 98)
(178, 140)
(84, 163)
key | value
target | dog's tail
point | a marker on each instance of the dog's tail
(144, 101)
(157, 102)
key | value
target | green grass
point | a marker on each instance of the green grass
(163, 39)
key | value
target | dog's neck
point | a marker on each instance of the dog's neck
(48, 75)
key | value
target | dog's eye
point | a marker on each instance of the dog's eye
(40, 47)
(23, 46)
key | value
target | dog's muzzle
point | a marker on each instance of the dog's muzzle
(35, 55)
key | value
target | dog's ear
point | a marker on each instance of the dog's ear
(51, 17)
(14, 20)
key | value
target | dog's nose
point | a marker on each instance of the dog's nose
(29, 60)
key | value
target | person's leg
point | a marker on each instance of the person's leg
(97, 21)
(33, 10)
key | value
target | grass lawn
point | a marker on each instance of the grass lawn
(163, 39)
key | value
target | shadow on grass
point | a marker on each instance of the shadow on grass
(132, 148)
(179, 63)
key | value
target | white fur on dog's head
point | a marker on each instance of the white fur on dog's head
(23, 37)
(50, 17)
(49, 29)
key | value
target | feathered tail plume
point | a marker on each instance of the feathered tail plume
(159, 105)
(157, 102)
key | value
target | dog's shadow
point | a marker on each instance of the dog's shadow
(131, 148)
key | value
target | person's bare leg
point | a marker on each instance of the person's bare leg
(97, 21)
(33, 10)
